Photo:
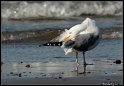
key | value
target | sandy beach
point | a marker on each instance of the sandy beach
(98, 80)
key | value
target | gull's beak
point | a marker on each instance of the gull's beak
(66, 38)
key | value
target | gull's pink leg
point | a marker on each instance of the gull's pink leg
(77, 63)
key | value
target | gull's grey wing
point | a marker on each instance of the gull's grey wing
(69, 43)
(78, 41)
(85, 42)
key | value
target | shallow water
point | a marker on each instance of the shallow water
(38, 30)
(31, 52)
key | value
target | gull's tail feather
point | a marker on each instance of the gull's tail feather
(56, 39)
(60, 38)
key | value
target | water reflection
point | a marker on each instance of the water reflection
(64, 69)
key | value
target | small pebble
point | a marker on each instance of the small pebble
(11, 72)
(44, 75)
(108, 79)
(117, 62)
(80, 73)
(89, 72)
(60, 77)
(16, 74)
(2, 63)
(20, 75)
(40, 45)
(105, 73)
(62, 72)
(28, 66)
(120, 70)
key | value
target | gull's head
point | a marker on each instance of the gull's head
(70, 36)
(65, 36)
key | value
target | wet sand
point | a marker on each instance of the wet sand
(102, 72)
(97, 80)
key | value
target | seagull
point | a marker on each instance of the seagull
(80, 38)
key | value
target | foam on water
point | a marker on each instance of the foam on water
(46, 31)
(42, 35)
(29, 9)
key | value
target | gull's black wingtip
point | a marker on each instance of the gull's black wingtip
(51, 44)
